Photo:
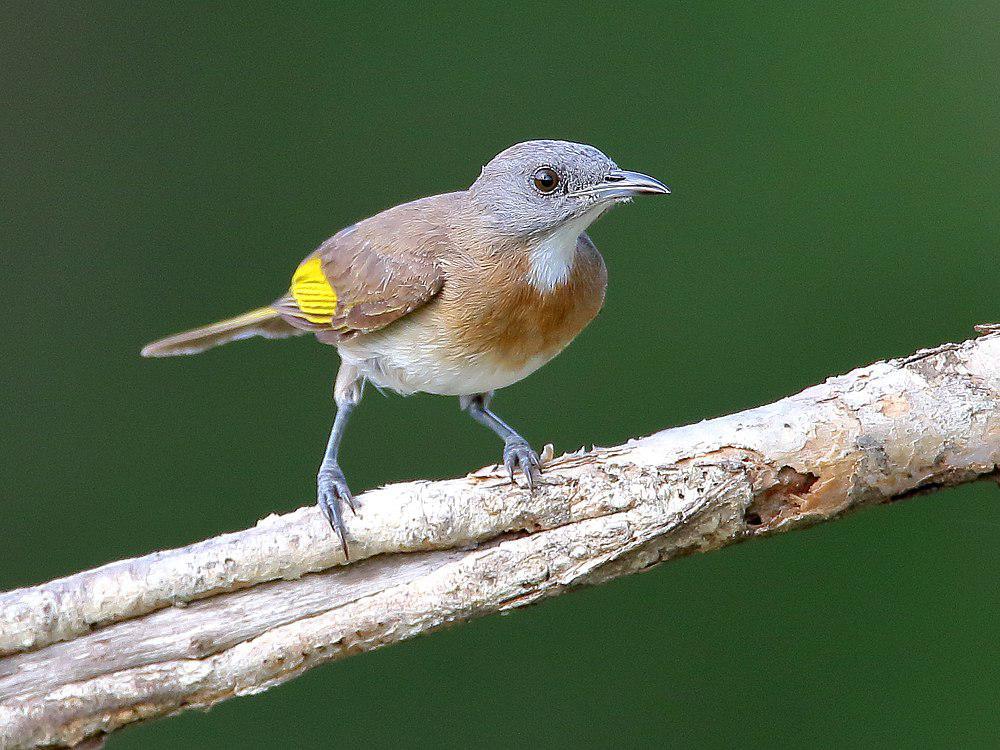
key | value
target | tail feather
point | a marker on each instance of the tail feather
(264, 321)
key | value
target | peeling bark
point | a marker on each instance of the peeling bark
(156, 635)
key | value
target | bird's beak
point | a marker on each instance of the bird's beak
(620, 183)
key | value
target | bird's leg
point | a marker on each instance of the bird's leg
(517, 453)
(332, 489)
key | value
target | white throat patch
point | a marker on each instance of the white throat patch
(551, 260)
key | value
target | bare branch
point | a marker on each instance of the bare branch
(153, 636)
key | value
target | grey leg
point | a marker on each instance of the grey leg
(332, 489)
(517, 454)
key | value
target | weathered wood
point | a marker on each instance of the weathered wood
(237, 614)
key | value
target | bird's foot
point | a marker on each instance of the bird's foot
(518, 456)
(332, 491)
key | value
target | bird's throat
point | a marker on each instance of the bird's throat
(551, 257)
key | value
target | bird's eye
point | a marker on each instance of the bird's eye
(546, 179)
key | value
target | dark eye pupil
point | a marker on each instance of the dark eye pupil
(546, 179)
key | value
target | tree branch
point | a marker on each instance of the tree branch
(237, 614)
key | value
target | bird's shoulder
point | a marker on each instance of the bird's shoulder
(375, 271)
(590, 263)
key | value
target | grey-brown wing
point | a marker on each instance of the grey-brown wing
(372, 273)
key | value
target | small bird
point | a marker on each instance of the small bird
(458, 294)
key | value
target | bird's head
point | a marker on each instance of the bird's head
(537, 187)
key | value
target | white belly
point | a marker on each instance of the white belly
(406, 358)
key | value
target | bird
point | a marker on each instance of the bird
(458, 294)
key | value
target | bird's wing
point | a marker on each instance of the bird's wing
(372, 273)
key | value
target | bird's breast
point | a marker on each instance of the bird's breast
(495, 311)
(488, 328)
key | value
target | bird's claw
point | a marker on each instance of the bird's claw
(518, 456)
(332, 490)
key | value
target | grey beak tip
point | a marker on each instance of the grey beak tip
(642, 183)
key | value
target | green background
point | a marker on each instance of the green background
(835, 173)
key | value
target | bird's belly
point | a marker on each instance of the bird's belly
(411, 355)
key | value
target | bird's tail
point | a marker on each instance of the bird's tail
(264, 321)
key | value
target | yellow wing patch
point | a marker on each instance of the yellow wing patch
(313, 294)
